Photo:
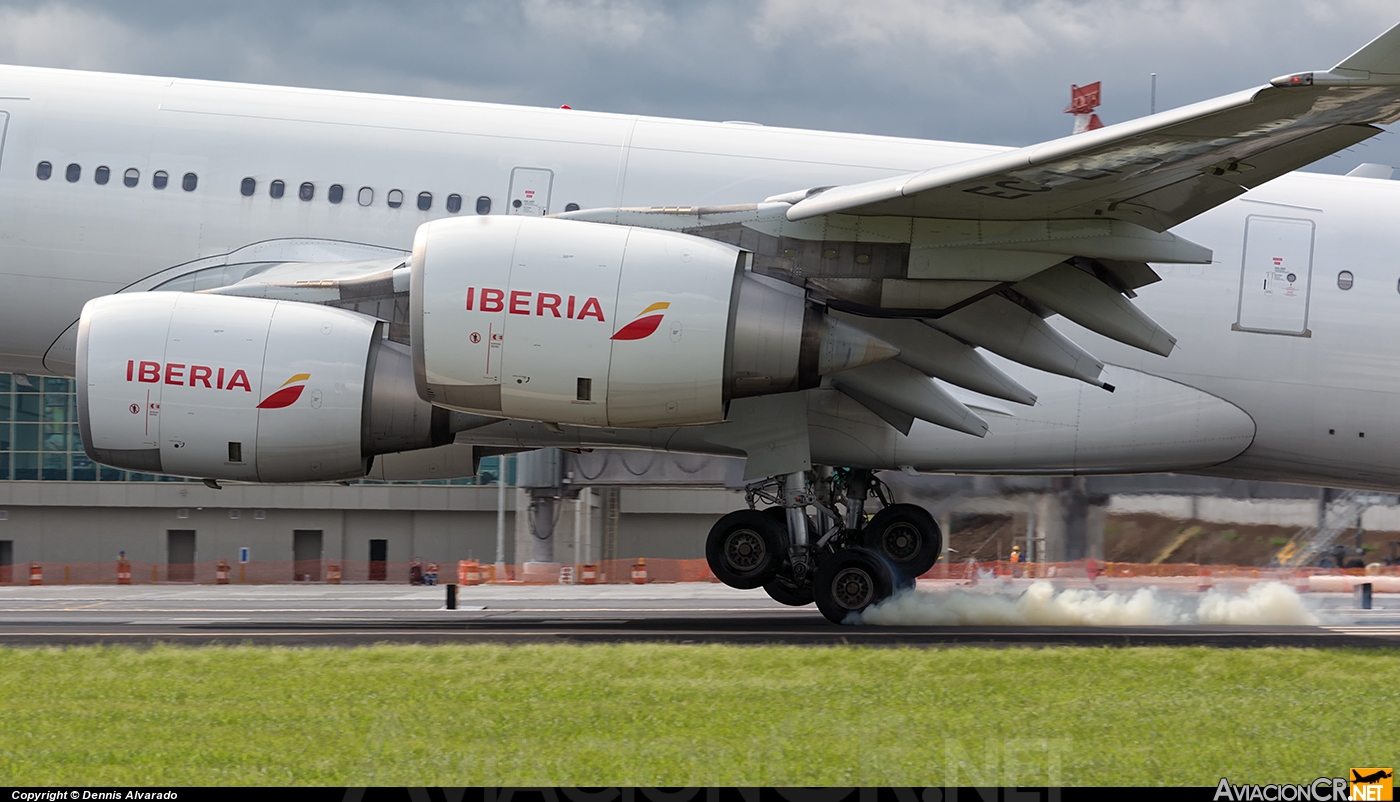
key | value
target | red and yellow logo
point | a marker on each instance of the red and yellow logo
(645, 323)
(1372, 785)
(287, 394)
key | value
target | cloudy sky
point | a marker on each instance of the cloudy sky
(988, 71)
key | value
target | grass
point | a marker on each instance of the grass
(668, 715)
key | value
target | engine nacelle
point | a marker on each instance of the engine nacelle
(244, 389)
(599, 325)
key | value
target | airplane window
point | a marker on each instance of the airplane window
(44, 171)
(366, 196)
(276, 188)
(395, 198)
(454, 203)
(248, 187)
(336, 193)
(571, 207)
(189, 182)
(75, 171)
(131, 177)
(160, 179)
(307, 191)
(483, 205)
(425, 201)
(102, 174)
(1345, 279)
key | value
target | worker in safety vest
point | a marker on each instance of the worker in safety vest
(1016, 561)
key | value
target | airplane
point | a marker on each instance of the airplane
(1374, 777)
(270, 284)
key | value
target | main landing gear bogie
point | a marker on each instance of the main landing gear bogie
(837, 559)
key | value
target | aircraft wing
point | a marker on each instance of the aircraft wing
(1156, 171)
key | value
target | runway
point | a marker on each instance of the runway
(357, 615)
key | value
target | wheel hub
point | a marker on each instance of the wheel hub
(901, 542)
(744, 550)
(853, 589)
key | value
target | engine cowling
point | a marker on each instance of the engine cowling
(244, 389)
(600, 325)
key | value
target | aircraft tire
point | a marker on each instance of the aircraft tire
(907, 536)
(785, 591)
(850, 581)
(746, 549)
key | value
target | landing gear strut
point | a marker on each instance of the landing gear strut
(813, 542)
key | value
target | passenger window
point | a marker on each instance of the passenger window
(336, 194)
(425, 201)
(1345, 279)
(248, 187)
(366, 196)
(483, 205)
(571, 207)
(102, 175)
(75, 172)
(160, 179)
(189, 182)
(395, 198)
(44, 171)
(307, 191)
(454, 203)
(131, 177)
(277, 188)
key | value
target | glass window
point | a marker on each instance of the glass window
(189, 182)
(454, 203)
(75, 171)
(277, 188)
(1345, 279)
(336, 193)
(102, 175)
(366, 196)
(26, 466)
(248, 187)
(425, 201)
(571, 207)
(395, 198)
(160, 179)
(307, 191)
(132, 177)
(483, 205)
(43, 171)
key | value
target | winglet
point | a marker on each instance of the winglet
(1376, 64)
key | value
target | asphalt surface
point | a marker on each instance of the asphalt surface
(355, 615)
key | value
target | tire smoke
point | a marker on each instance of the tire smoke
(1265, 603)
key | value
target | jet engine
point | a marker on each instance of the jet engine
(602, 325)
(245, 389)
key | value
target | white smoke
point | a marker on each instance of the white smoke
(1042, 605)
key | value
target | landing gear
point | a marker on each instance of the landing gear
(745, 549)
(830, 555)
(851, 580)
(907, 536)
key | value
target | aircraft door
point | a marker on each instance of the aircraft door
(4, 126)
(529, 191)
(1276, 276)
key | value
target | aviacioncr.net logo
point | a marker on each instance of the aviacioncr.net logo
(645, 324)
(287, 394)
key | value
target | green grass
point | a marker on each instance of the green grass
(675, 715)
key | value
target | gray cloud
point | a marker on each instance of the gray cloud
(995, 71)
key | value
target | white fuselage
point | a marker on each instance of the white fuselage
(1312, 407)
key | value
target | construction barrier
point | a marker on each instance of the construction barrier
(468, 572)
(664, 571)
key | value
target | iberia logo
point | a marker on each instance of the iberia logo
(1373, 785)
(287, 395)
(645, 324)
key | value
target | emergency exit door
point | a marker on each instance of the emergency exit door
(1276, 276)
(529, 191)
